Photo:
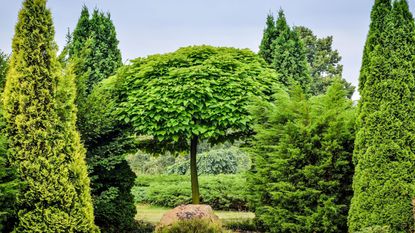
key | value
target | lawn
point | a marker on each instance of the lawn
(153, 214)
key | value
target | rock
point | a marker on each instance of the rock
(188, 212)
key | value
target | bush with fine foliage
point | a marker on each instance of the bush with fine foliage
(192, 226)
(303, 161)
(222, 192)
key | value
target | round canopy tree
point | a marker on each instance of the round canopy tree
(196, 93)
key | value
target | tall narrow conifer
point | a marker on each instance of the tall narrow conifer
(270, 34)
(40, 125)
(384, 154)
(289, 55)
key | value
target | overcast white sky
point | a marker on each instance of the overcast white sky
(146, 27)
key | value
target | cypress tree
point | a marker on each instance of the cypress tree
(270, 33)
(289, 55)
(81, 33)
(384, 179)
(95, 57)
(302, 154)
(40, 125)
(380, 10)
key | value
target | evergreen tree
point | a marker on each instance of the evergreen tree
(95, 56)
(289, 55)
(42, 138)
(302, 156)
(323, 60)
(270, 33)
(380, 10)
(81, 33)
(384, 179)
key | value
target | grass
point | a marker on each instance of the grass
(153, 214)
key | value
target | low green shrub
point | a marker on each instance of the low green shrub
(376, 229)
(241, 226)
(192, 226)
(221, 192)
(143, 227)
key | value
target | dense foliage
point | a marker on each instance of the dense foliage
(283, 49)
(93, 50)
(9, 187)
(40, 123)
(4, 66)
(324, 62)
(384, 180)
(222, 192)
(303, 170)
(108, 142)
(192, 226)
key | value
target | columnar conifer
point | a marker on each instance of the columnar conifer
(40, 125)
(95, 56)
(289, 55)
(384, 154)
(270, 33)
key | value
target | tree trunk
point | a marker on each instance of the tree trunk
(193, 171)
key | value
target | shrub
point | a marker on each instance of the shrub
(303, 162)
(376, 229)
(244, 226)
(192, 226)
(222, 192)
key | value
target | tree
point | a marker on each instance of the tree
(302, 154)
(270, 33)
(384, 180)
(81, 34)
(323, 60)
(289, 55)
(193, 94)
(380, 10)
(42, 137)
(94, 52)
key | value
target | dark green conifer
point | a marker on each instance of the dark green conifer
(289, 56)
(384, 178)
(95, 57)
(270, 33)
(380, 10)
(302, 154)
(42, 138)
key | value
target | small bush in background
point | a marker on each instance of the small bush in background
(192, 226)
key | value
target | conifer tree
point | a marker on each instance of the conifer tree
(42, 138)
(302, 154)
(81, 33)
(380, 10)
(384, 179)
(270, 33)
(289, 55)
(95, 57)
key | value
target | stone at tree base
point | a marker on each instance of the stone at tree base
(188, 212)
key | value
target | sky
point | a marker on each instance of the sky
(146, 27)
